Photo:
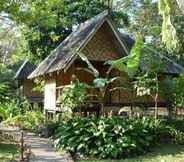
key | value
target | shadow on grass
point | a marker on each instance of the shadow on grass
(169, 149)
(7, 151)
(163, 153)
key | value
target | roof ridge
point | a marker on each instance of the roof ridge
(174, 62)
(166, 58)
(103, 14)
(26, 62)
(94, 21)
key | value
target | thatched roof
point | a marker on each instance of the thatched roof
(172, 67)
(66, 51)
(128, 41)
(167, 65)
(25, 70)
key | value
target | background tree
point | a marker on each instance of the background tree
(47, 23)
(32, 29)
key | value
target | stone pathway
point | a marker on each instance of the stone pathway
(42, 150)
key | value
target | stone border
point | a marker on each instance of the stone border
(68, 157)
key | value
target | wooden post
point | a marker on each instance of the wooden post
(22, 146)
(46, 116)
(131, 110)
(156, 97)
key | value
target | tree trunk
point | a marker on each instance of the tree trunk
(131, 111)
(102, 109)
(156, 106)
(132, 104)
(102, 96)
(156, 98)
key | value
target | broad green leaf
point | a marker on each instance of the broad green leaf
(134, 59)
(129, 64)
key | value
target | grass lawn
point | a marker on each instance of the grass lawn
(165, 153)
(7, 151)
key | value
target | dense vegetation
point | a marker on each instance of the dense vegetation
(22, 116)
(115, 137)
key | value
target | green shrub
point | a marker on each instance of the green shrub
(3, 114)
(177, 124)
(176, 135)
(9, 109)
(31, 120)
(73, 95)
(175, 129)
(108, 137)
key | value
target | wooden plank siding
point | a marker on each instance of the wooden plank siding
(28, 86)
(50, 94)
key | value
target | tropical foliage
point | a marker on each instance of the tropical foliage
(32, 29)
(179, 94)
(113, 137)
(169, 35)
(130, 64)
(73, 96)
(31, 120)
(22, 116)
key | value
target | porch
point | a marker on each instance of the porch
(93, 106)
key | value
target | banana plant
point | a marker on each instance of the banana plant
(102, 84)
(98, 83)
(144, 82)
(128, 65)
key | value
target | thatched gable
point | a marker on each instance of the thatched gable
(64, 54)
(104, 45)
(25, 70)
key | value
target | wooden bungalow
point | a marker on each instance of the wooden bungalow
(25, 85)
(99, 40)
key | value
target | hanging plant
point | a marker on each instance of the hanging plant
(169, 34)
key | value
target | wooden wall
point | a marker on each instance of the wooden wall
(28, 86)
(50, 94)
